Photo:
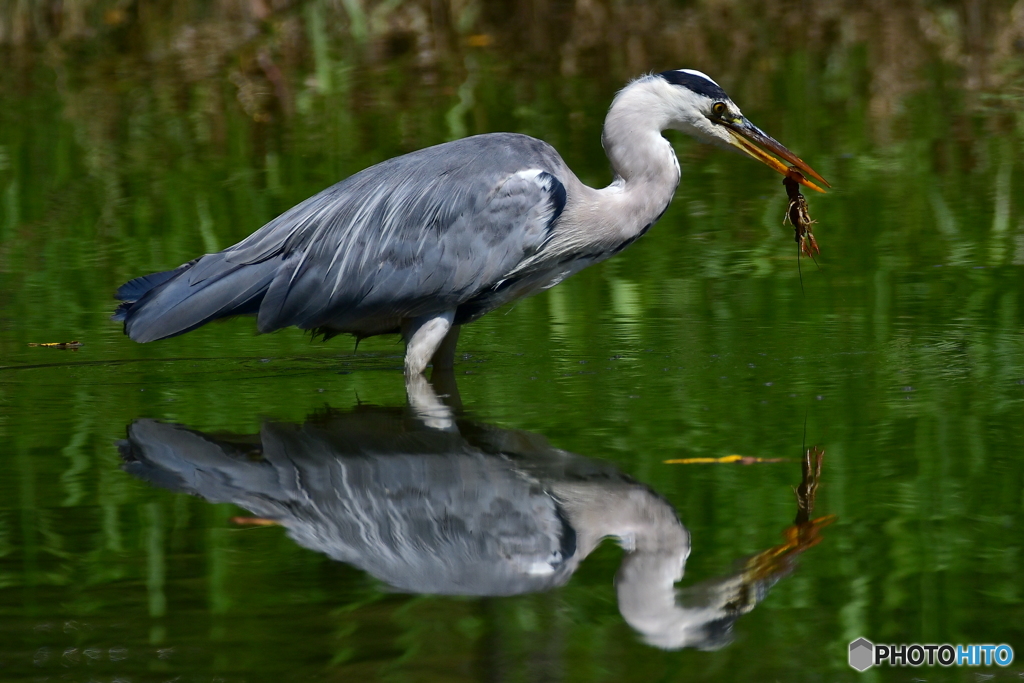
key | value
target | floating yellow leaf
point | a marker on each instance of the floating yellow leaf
(59, 345)
(741, 459)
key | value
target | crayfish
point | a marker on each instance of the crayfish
(800, 219)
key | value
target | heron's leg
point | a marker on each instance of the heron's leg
(444, 357)
(423, 337)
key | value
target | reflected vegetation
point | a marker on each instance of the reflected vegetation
(467, 508)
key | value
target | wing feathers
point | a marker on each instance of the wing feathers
(424, 232)
(426, 237)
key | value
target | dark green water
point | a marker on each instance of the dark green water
(902, 360)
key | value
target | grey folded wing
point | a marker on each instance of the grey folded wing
(417, 234)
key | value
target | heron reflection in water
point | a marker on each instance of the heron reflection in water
(426, 242)
(466, 509)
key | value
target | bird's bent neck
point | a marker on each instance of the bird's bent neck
(632, 137)
(643, 161)
(596, 223)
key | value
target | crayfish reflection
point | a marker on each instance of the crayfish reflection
(465, 508)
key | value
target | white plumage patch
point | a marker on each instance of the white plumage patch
(543, 179)
(532, 174)
(543, 212)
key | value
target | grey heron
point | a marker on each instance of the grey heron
(425, 242)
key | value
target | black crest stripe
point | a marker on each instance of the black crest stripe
(698, 84)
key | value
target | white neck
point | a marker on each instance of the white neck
(646, 172)
(597, 223)
(632, 137)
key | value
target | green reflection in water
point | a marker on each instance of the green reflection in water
(905, 353)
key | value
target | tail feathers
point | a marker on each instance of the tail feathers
(167, 304)
(133, 290)
(121, 312)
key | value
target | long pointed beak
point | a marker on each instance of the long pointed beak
(746, 136)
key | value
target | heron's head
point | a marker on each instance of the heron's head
(698, 106)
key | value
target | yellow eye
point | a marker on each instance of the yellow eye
(719, 108)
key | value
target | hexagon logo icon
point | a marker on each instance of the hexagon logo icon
(862, 654)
